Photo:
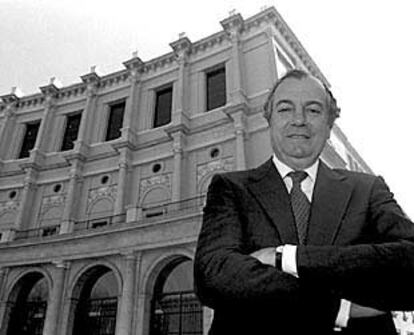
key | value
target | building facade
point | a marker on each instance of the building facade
(102, 183)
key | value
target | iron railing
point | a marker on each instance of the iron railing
(169, 208)
(99, 222)
(149, 212)
(44, 231)
(178, 313)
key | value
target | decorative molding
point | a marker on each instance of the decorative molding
(160, 180)
(53, 200)
(102, 192)
(9, 205)
(206, 169)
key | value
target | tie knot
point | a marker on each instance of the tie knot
(297, 176)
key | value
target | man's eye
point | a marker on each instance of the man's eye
(314, 110)
(284, 110)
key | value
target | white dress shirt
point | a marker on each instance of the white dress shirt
(289, 251)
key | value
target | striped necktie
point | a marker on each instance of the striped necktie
(300, 204)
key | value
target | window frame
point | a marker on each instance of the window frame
(109, 107)
(157, 91)
(23, 137)
(67, 115)
(208, 72)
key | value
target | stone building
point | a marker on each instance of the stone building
(102, 183)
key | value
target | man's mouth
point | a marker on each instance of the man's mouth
(299, 136)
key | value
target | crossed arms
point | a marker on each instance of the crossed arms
(375, 274)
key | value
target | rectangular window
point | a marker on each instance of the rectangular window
(29, 139)
(71, 131)
(115, 121)
(216, 88)
(163, 106)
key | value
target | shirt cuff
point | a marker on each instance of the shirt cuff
(343, 314)
(289, 260)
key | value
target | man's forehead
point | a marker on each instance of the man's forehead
(307, 88)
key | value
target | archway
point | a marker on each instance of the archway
(175, 310)
(28, 303)
(96, 302)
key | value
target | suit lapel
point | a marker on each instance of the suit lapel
(269, 189)
(330, 199)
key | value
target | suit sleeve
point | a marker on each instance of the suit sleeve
(377, 274)
(224, 273)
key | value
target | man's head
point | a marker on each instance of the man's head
(301, 111)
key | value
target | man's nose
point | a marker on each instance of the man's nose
(299, 117)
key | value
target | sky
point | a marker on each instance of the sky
(364, 48)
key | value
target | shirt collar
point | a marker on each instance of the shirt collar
(284, 169)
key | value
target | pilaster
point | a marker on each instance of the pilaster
(134, 66)
(182, 49)
(76, 162)
(50, 93)
(126, 310)
(178, 136)
(233, 25)
(91, 80)
(11, 100)
(54, 306)
(238, 115)
(123, 185)
(27, 195)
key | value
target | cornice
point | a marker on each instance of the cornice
(209, 42)
(135, 63)
(271, 15)
(9, 98)
(49, 90)
(235, 21)
(182, 46)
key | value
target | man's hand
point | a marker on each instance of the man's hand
(266, 255)
(358, 311)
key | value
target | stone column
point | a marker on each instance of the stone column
(178, 136)
(8, 123)
(134, 65)
(143, 312)
(72, 193)
(50, 94)
(3, 299)
(233, 25)
(122, 186)
(67, 320)
(54, 305)
(27, 194)
(126, 310)
(91, 81)
(181, 49)
(237, 114)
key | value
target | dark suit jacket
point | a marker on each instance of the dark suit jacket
(360, 247)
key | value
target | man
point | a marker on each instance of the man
(294, 247)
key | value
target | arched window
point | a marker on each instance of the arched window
(28, 311)
(97, 305)
(175, 308)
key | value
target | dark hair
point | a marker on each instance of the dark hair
(333, 109)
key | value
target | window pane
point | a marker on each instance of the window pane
(163, 105)
(71, 131)
(216, 88)
(115, 121)
(29, 139)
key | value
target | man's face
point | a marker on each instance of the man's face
(299, 124)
